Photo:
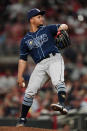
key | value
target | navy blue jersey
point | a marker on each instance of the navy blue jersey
(39, 44)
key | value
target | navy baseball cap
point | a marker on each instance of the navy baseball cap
(34, 12)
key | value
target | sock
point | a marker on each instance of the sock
(61, 97)
(24, 111)
(61, 88)
(27, 102)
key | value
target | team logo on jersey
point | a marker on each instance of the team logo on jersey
(30, 43)
(37, 42)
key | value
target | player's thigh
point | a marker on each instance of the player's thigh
(56, 70)
(38, 77)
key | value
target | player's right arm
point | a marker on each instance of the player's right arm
(21, 68)
(22, 63)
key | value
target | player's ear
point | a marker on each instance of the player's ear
(31, 20)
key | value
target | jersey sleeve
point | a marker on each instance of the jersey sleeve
(53, 28)
(23, 50)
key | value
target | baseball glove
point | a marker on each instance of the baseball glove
(62, 39)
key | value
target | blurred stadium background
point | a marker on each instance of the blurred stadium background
(13, 26)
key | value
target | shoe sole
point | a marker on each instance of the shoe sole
(56, 107)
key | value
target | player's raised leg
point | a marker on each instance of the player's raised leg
(56, 72)
(38, 77)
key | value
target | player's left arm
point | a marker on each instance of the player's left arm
(63, 27)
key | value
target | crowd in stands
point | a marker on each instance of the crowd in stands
(14, 25)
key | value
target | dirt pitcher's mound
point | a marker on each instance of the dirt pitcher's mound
(23, 129)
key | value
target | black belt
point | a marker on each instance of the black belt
(48, 56)
(51, 54)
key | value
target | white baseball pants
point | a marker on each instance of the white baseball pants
(52, 67)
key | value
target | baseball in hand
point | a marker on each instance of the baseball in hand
(23, 84)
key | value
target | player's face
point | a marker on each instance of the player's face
(38, 20)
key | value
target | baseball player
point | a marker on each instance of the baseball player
(40, 44)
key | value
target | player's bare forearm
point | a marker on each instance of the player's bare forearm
(63, 27)
(21, 68)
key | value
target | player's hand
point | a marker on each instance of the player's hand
(21, 82)
(63, 27)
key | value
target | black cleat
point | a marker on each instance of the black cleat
(21, 122)
(59, 107)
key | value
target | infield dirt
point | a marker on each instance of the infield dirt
(23, 129)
